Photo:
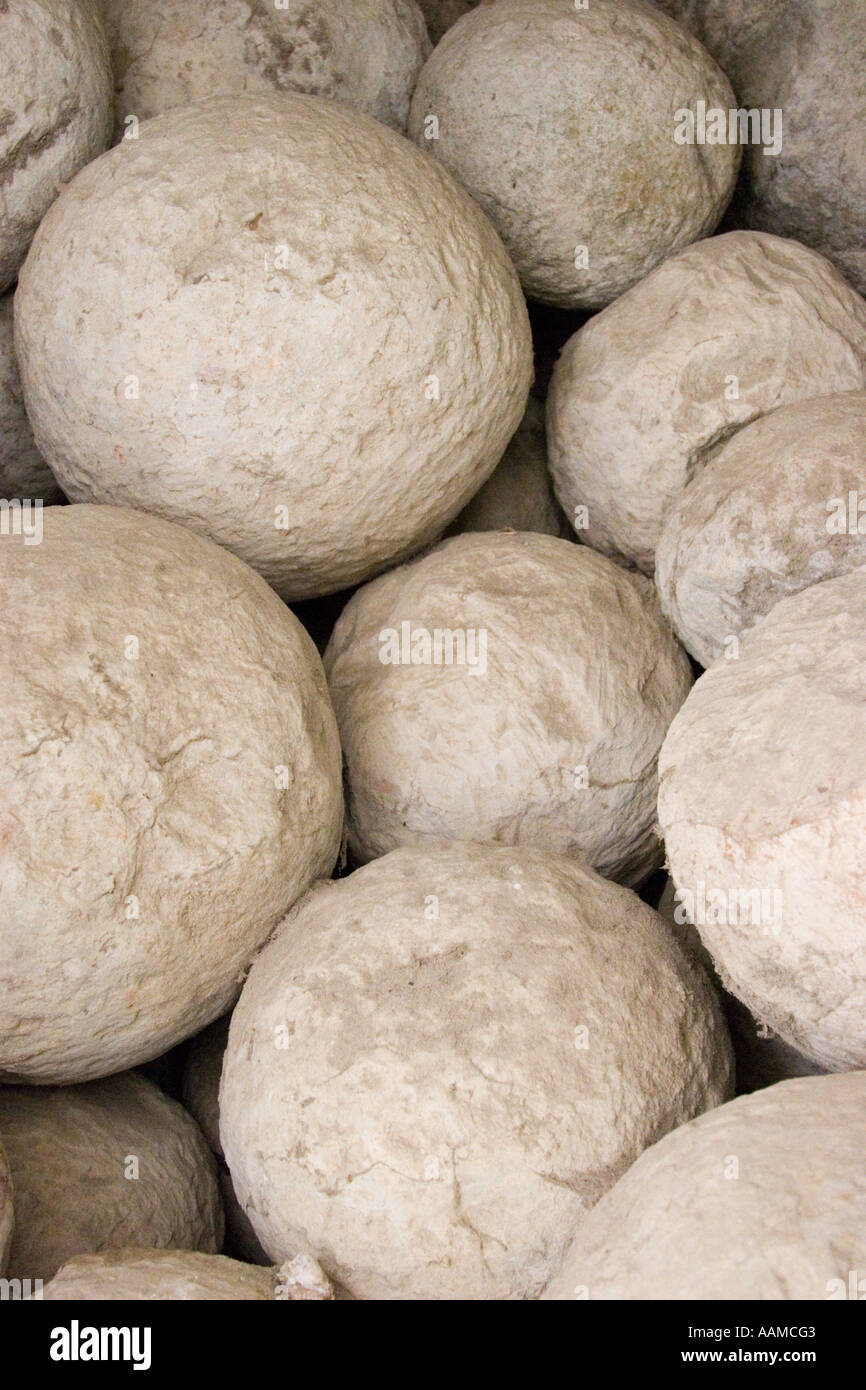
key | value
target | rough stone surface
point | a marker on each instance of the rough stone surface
(182, 1276)
(170, 784)
(439, 1063)
(805, 58)
(6, 1210)
(546, 115)
(23, 471)
(55, 111)
(365, 53)
(552, 739)
(518, 496)
(761, 805)
(711, 340)
(790, 1225)
(293, 332)
(753, 527)
(107, 1164)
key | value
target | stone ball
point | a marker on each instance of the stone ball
(764, 1198)
(55, 111)
(646, 391)
(761, 805)
(774, 511)
(170, 785)
(509, 688)
(364, 53)
(180, 1276)
(293, 333)
(439, 1063)
(546, 113)
(105, 1164)
(800, 62)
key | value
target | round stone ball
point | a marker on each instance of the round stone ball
(764, 828)
(23, 472)
(519, 495)
(181, 1276)
(802, 62)
(646, 391)
(313, 347)
(775, 510)
(165, 53)
(511, 688)
(441, 1062)
(764, 1198)
(170, 785)
(106, 1164)
(728, 29)
(55, 111)
(7, 1215)
(544, 112)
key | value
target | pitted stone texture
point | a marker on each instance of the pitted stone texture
(775, 511)
(110, 1163)
(55, 111)
(441, 1062)
(546, 115)
(714, 338)
(761, 804)
(805, 58)
(764, 1198)
(165, 53)
(547, 733)
(293, 332)
(170, 784)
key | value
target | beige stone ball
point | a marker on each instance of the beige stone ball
(646, 391)
(801, 62)
(547, 114)
(775, 510)
(761, 804)
(182, 1276)
(508, 688)
(55, 111)
(106, 1164)
(441, 1062)
(293, 333)
(170, 784)
(764, 1198)
(165, 53)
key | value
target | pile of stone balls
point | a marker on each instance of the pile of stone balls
(389, 435)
